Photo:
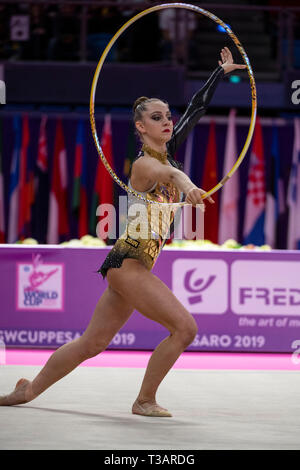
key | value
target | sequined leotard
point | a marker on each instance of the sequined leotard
(147, 248)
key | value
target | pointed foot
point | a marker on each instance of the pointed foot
(150, 409)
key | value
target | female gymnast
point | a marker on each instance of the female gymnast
(131, 284)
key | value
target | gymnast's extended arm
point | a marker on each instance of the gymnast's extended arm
(200, 101)
(196, 108)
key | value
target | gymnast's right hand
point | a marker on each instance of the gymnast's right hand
(194, 197)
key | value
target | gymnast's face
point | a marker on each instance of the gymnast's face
(156, 124)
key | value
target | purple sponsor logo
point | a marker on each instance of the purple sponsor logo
(201, 285)
(32, 298)
(39, 285)
(33, 294)
(270, 296)
(265, 287)
(197, 286)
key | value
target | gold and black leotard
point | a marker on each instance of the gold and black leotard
(145, 240)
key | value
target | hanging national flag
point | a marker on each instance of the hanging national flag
(281, 199)
(228, 228)
(274, 189)
(2, 217)
(42, 157)
(209, 180)
(14, 183)
(281, 236)
(131, 150)
(103, 188)
(58, 225)
(188, 156)
(256, 192)
(189, 216)
(293, 198)
(40, 218)
(80, 203)
(30, 185)
(25, 195)
(96, 197)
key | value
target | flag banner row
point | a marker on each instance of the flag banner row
(52, 179)
(38, 199)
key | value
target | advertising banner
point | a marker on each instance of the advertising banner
(241, 300)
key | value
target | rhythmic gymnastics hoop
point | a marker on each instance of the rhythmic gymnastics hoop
(252, 84)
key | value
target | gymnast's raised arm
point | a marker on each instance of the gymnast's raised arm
(200, 101)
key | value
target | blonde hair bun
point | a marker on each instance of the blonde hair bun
(138, 101)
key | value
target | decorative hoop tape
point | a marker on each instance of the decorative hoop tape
(252, 84)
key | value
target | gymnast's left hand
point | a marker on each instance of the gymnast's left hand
(227, 61)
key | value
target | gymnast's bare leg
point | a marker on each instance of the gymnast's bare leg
(156, 301)
(111, 312)
(131, 286)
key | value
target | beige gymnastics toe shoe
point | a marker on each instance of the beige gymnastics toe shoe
(150, 409)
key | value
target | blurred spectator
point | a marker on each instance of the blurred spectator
(129, 12)
(103, 23)
(273, 32)
(11, 49)
(140, 42)
(65, 43)
(5, 46)
(36, 47)
(282, 3)
(145, 39)
(177, 27)
(104, 20)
